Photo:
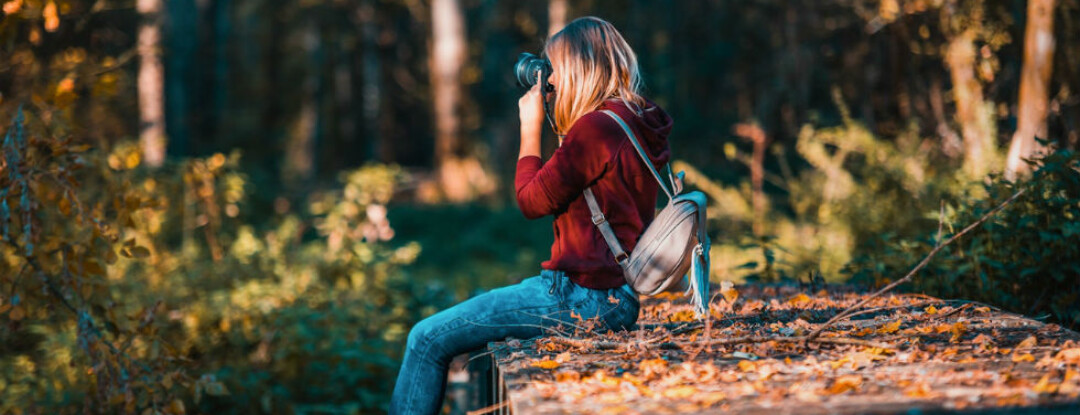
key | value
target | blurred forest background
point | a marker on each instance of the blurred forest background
(236, 206)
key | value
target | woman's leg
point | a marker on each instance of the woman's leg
(536, 306)
(522, 310)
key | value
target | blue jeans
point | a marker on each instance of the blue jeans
(536, 306)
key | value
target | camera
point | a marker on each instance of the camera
(526, 68)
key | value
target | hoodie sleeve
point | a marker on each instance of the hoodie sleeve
(586, 153)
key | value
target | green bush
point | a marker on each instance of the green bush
(1025, 258)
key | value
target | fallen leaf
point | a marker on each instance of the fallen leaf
(799, 300)
(931, 310)
(1026, 357)
(1028, 343)
(958, 329)
(1045, 386)
(727, 289)
(889, 328)
(845, 383)
(545, 364)
(1070, 356)
(680, 392)
(747, 366)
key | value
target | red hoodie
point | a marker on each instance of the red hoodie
(597, 153)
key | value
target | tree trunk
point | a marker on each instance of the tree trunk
(300, 149)
(1034, 86)
(972, 112)
(371, 82)
(556, 16)
(151, 83)
(447, 58)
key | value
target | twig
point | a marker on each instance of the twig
(846, 313)
(610, 345)
(489, 409)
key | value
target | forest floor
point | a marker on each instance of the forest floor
(902, 352)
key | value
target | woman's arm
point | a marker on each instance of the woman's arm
(586, 152)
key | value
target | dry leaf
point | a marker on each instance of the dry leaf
(799, 300)
(680, 392)
(1026, 357)
(1070, 356)
(889, 328)
(747, 366)
(1028, 343)
(545, 364)
(845, 383)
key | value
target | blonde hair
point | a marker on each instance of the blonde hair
(594, 63)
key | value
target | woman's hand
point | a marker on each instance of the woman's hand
(531, 109)
(531, 113)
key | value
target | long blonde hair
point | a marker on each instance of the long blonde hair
(594, 63)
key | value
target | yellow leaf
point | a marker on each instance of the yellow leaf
(727, 289)
(957, 330)
(1028, 343)
(889, 328)
(845, 383)
(1044, 386)
(1026, 357)
(682, 316)
(568, 376)
(545, 364)
(931, 310)
(799, 300)
(747, 366)
(680, 392)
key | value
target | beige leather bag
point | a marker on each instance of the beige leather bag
(674, 243)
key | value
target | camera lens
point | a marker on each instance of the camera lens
(527, 67)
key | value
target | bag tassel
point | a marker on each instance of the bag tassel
(699, 280)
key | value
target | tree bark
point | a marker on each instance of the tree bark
(1034, 86)
(300, 148)
(447, 58)
(972, 112)
(151, 83)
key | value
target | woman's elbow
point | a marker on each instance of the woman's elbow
(529, 207)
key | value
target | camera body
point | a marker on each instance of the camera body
(526, 70)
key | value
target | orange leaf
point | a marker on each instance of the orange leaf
(1028, 343)
(799, 300)
(845, 383)
(747, 366)
(1026, 357)
(545, 364)
(889, 328)
(680, 392)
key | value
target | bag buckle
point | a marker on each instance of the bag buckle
(622, 257)
(598, 219)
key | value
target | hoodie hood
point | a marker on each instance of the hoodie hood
(652, 128)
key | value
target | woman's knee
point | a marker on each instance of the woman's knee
(423, 335)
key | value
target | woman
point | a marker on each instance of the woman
(593, 69)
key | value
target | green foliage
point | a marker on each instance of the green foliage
(1024, 259)
(127, 289)
(857, 187)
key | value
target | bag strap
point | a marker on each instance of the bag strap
(641, 152)
(601, 223)
(598, 219)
